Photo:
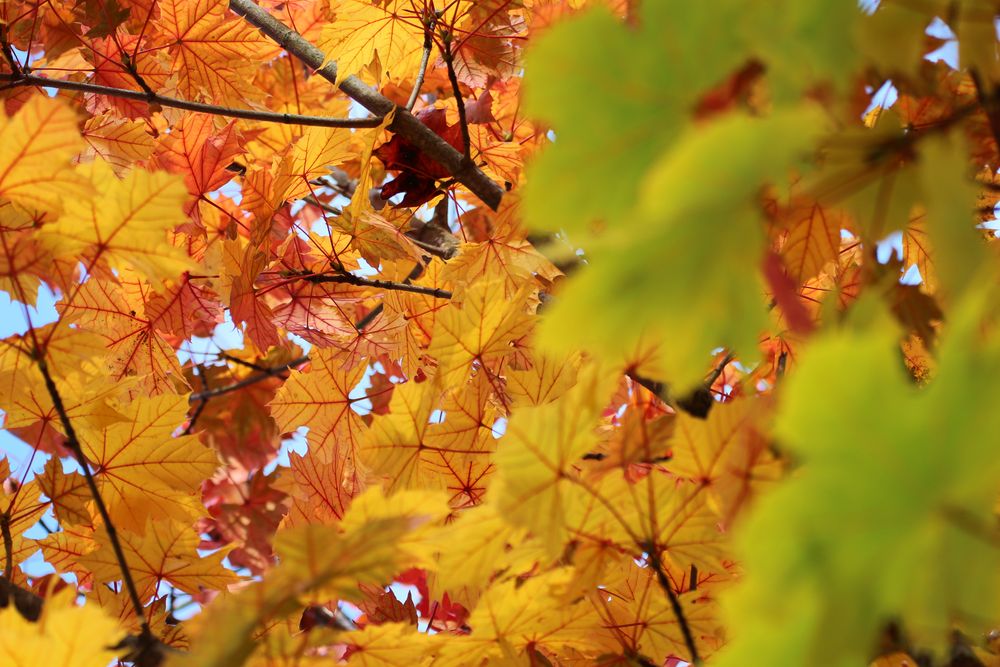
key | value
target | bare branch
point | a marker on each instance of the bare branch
(15, 80)
(8, 544)
(8, 52)
(246, 382)
(201, 405)
(351, 279)
(425, 57)
(73, 443)
(675, 605)
(449, 60)
(403, 123)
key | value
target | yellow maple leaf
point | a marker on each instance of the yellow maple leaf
(321, 399)
(390, 644)
(724, 455)
(37, 145)
(214, 53)
(318, 149)
(378, 537)
(142, 470)
(479, 326)
(513, 617)
(542, 448)
(362, 28)
(411, 450)
(64, 635)
(125, 222)
(637, 615)
(165, 551)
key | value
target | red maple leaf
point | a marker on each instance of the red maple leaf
(418, 174)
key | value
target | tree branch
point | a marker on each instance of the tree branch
(16, 80)
(697, 403)
(675, 604)
(425, 57)
(8, 52)
(193, 419)
(404, 123)
(74, 445)
(8, 544)
(449, 60)
(351, 279)
(246, 382)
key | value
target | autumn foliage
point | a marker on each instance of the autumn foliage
(499, 332)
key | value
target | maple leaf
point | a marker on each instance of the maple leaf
(141, 470)
(418, 173)
(212, 52)
(201, 152)
(321, 398)
(413, 450)
(544, 444)
(66, 634)
(640, 618)
(393, 29)
(37, 146)
(470, 329)
(135, 346)
(125, 222)
(118, 142)
(513, 619)
(163, 551)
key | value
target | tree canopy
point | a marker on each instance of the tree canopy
(500, 332)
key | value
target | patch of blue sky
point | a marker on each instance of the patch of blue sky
(499, 428)
(892, 246)
(12, 313)
(233, 190)
(199, 350)
(14, 319)
(297, 443)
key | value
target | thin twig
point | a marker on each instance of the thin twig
(351, 279)
(403, 123)
(697, 403)
(241, 362)
(278, 370)
(48, 529)
(201, 405)
(8, 544)
(782, 361)
(971, 524)
(8, 52)
(449, 59)
(246, 382)
(15, 80)
(675, 605)
(73, 443)
(424, 58)
(714, 375)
